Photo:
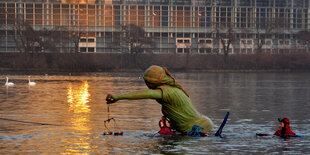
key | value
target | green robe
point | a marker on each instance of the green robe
(177, 106)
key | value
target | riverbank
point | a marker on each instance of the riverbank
(100, 62)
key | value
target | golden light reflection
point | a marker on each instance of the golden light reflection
(78, 101)
(78, 98)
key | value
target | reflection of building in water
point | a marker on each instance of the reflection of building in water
(78, 101)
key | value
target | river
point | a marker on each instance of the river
(65, 114)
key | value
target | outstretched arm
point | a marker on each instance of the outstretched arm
(142, 94)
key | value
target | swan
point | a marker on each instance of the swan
(31, 83)
(7, 83)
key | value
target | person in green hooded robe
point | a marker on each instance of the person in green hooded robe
(175, 101)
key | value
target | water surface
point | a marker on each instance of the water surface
(72, 111)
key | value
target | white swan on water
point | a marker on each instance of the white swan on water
(31, 83)
(7, 83)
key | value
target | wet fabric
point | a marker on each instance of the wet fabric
(177, 106)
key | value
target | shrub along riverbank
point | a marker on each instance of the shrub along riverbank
(93, 62)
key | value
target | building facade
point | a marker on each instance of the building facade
(174, 26)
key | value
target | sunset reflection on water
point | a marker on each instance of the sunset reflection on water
(78, 98)
(79, 108)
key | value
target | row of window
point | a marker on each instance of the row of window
(198, 11)
(169, 36)
(180, 16)
(154, 10)
(87, 49)
(89, 40)
(287, 23)
(267, 42)
(231, 51)
(263, 3)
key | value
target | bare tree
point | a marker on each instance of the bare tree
(29, 40)
(69, 37)
(75, 38)
(225, 37)
(304, 36)
(132, 38)
(264, 30)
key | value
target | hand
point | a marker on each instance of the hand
(110, 99)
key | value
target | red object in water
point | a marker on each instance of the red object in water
(285, 130)
(118, 133)
(108, 133)
(164, 130)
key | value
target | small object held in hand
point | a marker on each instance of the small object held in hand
(108, 133)
(118, 133)
(109, 99)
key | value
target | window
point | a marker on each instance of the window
(164, 16)
(262, 3)
(91, 49)
(201, 35)
(186, 41)
(225, 2)
(29, 13)
(83, 40)
(244, 2)
(141, 15)
(281, 42)
(157, 35)
(164, 35)
(186, 50)
(243, 51)
(298, 3)
(180, 41)
(187, 35)
(287, 42)
(91, 40)
(201, 50)
(38, 14)
(209, 41)
(202, 14)
(2, 13)
(117, 15)
(83, 49)
(208, 17)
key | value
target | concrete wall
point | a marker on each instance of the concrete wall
(125, 62)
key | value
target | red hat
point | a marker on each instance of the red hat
(284, 120)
